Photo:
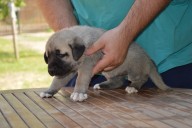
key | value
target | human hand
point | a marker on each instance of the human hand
(114, 46)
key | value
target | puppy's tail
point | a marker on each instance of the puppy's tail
(156, 78)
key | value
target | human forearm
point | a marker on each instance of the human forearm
(139, 16)
(58, 13)
(115, 42)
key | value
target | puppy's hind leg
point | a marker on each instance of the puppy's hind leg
(56, 85)
(111, 83)
(136, 83)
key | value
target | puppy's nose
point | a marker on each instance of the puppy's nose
(51, 71)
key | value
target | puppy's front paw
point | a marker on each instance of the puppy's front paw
(75, 96)
(45, 95)
(131, 90)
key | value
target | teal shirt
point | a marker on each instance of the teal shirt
(167, 40)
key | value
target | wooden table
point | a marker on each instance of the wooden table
(106, 109)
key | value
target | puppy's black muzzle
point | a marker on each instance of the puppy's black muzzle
(53, 70)
(56, 67)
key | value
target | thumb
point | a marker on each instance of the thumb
(95, 47)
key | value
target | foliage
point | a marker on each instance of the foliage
(4, 9)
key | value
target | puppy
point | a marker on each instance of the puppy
(65, 58)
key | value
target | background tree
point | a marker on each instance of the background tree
(4, 9)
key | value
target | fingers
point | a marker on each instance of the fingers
(102, 64)
(95, 47)
(109, 68)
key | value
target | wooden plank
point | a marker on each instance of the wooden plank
(159, 124)
(176, 124)
(184, 91)
(104, 108)
(23, 112)
(21, 90)
(168, 102)
(157, 114)
(178, 107)
(180, 97)
(187, 121)
(165, 101)
(75, 116)
(90, 115)
(55, 113)
(42, 115)
(166, 112)
(116, 113)
(11, 115)
(3, 122)
(136, 106)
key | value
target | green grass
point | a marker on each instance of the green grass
(30, 71)
(29, 59)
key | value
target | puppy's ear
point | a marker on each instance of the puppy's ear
(77, 48)
(45, 58)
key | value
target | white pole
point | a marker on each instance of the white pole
(14, 29)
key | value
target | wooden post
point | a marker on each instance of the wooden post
(14, 29)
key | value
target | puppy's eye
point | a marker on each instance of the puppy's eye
(58, 54)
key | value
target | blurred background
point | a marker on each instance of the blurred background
(23, 34)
